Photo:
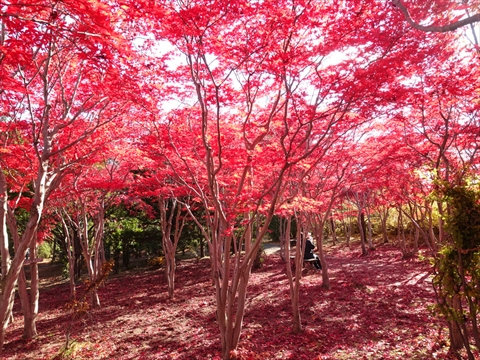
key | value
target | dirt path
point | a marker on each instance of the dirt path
(271, 248)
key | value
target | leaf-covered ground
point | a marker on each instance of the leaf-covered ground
(377, 308)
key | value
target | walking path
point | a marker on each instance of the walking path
(271, 248)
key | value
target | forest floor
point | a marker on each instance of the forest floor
(377, 308)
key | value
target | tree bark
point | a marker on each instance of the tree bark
(383, 220)
(362, 230)
(334, 231)
(70, 251)
(284, 239)
(87, 253)
(172, 224)
(294, 279)
(29, 299)
(42, 185)
(433, 239)
(4, 252)
(455, 333)
(401, 233)
(441, 232)
(99, 226)
(318, 229)
(370, 232)
(91, 250)
(348, 230)
(10, 279)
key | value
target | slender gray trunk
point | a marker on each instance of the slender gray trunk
(5, 254)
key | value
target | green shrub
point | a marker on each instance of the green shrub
(44, 250)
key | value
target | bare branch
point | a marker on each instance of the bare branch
(433, 28)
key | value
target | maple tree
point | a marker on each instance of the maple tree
(241, 111)
(438, 132)
(436, 123)
(326, 185)
(171, 232)
(172, 199)
(168, 200)
(60, 85)
(84, 198)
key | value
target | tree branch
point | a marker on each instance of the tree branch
(432, 28)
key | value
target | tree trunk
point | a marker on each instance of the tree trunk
(172, 224)
(77, 252)
(116, 260)
(71, 266)
(433, 240)
(297, 318)
(440, 223)
(4, 250)
(284, 239)
(455, 333)
(231, 289)
(91, 249)
(348, 230)
(473, 317)
(4, 253)
(225, 295)
(126, 254)
(370, 232)
(294, 282)
(415, 240)
(87, 251)
(400, 233)
(30, 326)
(10, 279)
(6, 302)
(170, 272)
(334, 231)
(95, 300)
(29, 300)
(202, 248)
(362, 230)
(321, 254)
(383, 220)
(70, 252)
(235, 327)
(54, 251)
(99, 225)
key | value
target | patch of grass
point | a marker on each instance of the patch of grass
(70, 352)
